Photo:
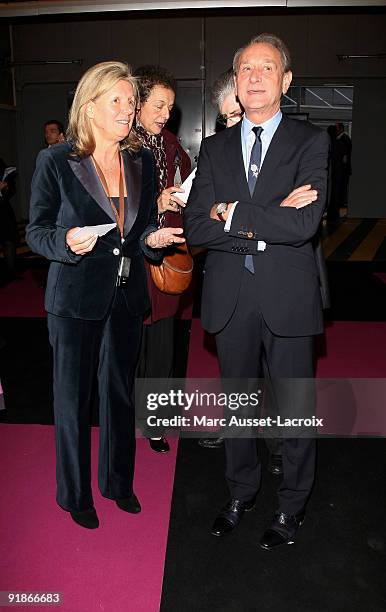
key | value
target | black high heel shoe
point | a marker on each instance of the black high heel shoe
(159, 445)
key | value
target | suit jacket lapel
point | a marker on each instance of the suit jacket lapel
(84, 170)
(234, 155)
(133, 175)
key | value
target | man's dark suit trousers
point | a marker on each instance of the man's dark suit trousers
(83, 349)
(240, 346)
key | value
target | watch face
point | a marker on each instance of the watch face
(221, 208)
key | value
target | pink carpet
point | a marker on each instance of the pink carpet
(23, 297)
(119, 567)
(352, 351)
(116, 568)
(349, 349)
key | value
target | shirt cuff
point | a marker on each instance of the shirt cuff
(228, 222)
(261, 245)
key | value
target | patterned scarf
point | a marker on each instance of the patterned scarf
(156, 144)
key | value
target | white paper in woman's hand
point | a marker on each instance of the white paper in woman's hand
(96, 230)
(186, 186)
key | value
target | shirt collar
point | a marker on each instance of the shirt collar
(269, 126)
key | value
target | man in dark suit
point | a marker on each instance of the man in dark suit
(261, 290)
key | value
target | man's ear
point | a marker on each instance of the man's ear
(235, 83)
(287, 79)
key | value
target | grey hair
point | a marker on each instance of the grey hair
(222, 87)
(268, 39)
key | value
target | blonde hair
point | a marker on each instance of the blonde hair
(96, 81)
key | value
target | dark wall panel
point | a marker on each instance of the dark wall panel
(40, 102)
(180, 46)
(6, 90)
(128, 38)
(329, 36)
(332, 35)
(223, 36)
(314, 37)
(368, 182)
(8, 147)
(314, 40)
(294, 30)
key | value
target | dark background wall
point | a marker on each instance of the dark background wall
(368, 182)
(195, 46)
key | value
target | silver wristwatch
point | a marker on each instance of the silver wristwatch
(221, 208)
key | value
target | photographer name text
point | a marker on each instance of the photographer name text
(234, 421)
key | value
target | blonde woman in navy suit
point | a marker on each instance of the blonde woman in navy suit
(96, 290)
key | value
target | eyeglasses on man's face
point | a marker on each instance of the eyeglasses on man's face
(231, 118)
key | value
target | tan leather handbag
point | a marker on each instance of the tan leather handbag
(174, 274)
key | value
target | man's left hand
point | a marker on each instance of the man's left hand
(300, 197)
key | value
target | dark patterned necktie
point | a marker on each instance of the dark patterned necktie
(253, 173)
(254, 162)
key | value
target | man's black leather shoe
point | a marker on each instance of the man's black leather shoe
(282, 530)
(86, 518)
(129, 504)
(159, 446)
(211, 442)
(275, 465)
(230, 516)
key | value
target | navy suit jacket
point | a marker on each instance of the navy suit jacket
(286, 279)
(66, 192)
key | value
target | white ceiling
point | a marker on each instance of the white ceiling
(21, 8)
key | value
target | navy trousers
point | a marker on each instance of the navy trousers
(85, 352)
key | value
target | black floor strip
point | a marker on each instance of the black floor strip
(337, 562)
(181, 347)
(380, 255)
(26, 362)
(356, 294)
(26, 371)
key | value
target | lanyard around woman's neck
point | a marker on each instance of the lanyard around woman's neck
(119, 217)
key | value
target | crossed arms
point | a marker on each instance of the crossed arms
(272, 220)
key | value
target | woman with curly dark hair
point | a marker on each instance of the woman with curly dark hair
(157, 92)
